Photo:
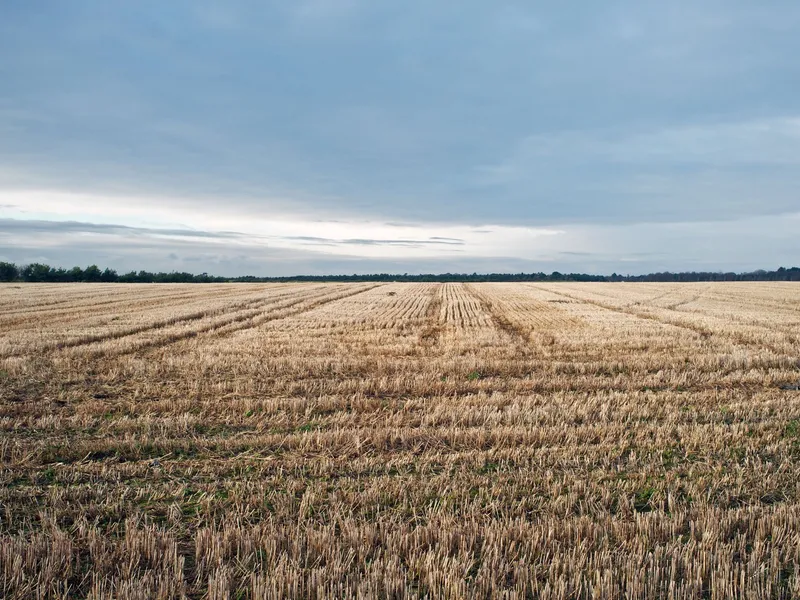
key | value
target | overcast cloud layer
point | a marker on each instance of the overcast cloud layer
(347, 136)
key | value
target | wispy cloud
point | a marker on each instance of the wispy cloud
(725, 245)
(409, 243)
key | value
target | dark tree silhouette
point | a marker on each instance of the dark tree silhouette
(8, 271)
(38, 272)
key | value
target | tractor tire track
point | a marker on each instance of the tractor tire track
(702, 331)
(76, 312)
(123, 298)
(88, 340)
(705, 333)
(432, 330)
(517, 333)
(241, 322)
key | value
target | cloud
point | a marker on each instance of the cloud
(410, 241)
(415, 123)
(687, 173)
(431, 241)
(401, 242)
(372, 128)
(771, 142)
(720, 245)
(38, 226)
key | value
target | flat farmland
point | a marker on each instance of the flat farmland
(392, 440)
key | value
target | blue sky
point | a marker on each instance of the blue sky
(348, 136)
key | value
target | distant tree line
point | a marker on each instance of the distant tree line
(37, 272)
(40, 273)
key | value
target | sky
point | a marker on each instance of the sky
(350, 136)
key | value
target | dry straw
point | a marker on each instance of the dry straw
(400, 440)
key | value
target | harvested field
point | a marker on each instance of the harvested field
(400, 440)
